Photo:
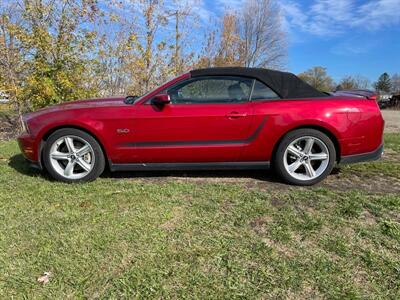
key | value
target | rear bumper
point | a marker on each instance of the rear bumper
(370, 156)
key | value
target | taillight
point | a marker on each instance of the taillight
(373, 97)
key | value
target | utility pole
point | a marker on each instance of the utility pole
(178, 14)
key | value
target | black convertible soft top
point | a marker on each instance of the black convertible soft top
(286, 85)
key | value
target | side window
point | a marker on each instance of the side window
(262, 92)
(212, 90)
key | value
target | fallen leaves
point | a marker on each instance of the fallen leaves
(45, 278)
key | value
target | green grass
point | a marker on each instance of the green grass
(390, 166)
(147, 238)
(392, 141)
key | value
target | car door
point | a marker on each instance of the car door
(265, 103)
(207, 120)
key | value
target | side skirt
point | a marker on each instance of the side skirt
(190, 166)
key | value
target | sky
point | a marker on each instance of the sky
(348, 37)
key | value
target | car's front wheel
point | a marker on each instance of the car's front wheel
(72, 155)
(305, 157)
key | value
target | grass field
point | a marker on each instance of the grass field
(224, 235)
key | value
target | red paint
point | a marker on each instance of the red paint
(206, 132)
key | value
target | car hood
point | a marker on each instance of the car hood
(79, 104)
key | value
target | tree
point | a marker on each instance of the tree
(384, 83)
(223, 46)
(395, 80)
(138, 49)
(55, 51)
(230, 46)
(353, 83)
(148, 59)
(184, 19)
(208, 52)
(251, 37)
(318, 78)
(260, 29)
(153, 59)
(112, 73)
(12, 64)
(47, 46)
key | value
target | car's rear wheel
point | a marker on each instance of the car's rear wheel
(305, 157)
(72, 155)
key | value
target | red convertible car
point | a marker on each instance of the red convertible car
(217, 118)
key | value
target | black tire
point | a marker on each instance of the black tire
(278, 159)
(99, 160)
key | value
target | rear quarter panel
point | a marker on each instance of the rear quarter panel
(356, 123)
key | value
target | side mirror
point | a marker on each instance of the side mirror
(161, 99)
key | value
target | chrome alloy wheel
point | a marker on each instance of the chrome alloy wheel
(306, 158)
(72, 157)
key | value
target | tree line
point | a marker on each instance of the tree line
(319, 78)
(53, 51)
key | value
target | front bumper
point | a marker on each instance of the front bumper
(357, 158)
(27, 146)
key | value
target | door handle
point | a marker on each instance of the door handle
(235, 115)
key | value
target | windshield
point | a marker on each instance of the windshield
(135, 99)
(141, 97)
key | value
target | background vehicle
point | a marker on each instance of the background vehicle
(218, 118)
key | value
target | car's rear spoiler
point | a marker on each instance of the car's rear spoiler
(370, 95)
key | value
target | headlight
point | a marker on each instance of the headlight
(24, 126)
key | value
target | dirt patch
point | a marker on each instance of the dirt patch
(391, 155)
(266, 181)
(374, 180)
(259, 223)
(306, 292)
(376, 184)
(276, 202)
(226, 206)
(368, 218)
(171, 224)
(260, 226)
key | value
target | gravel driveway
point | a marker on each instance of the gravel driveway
(392, 119)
